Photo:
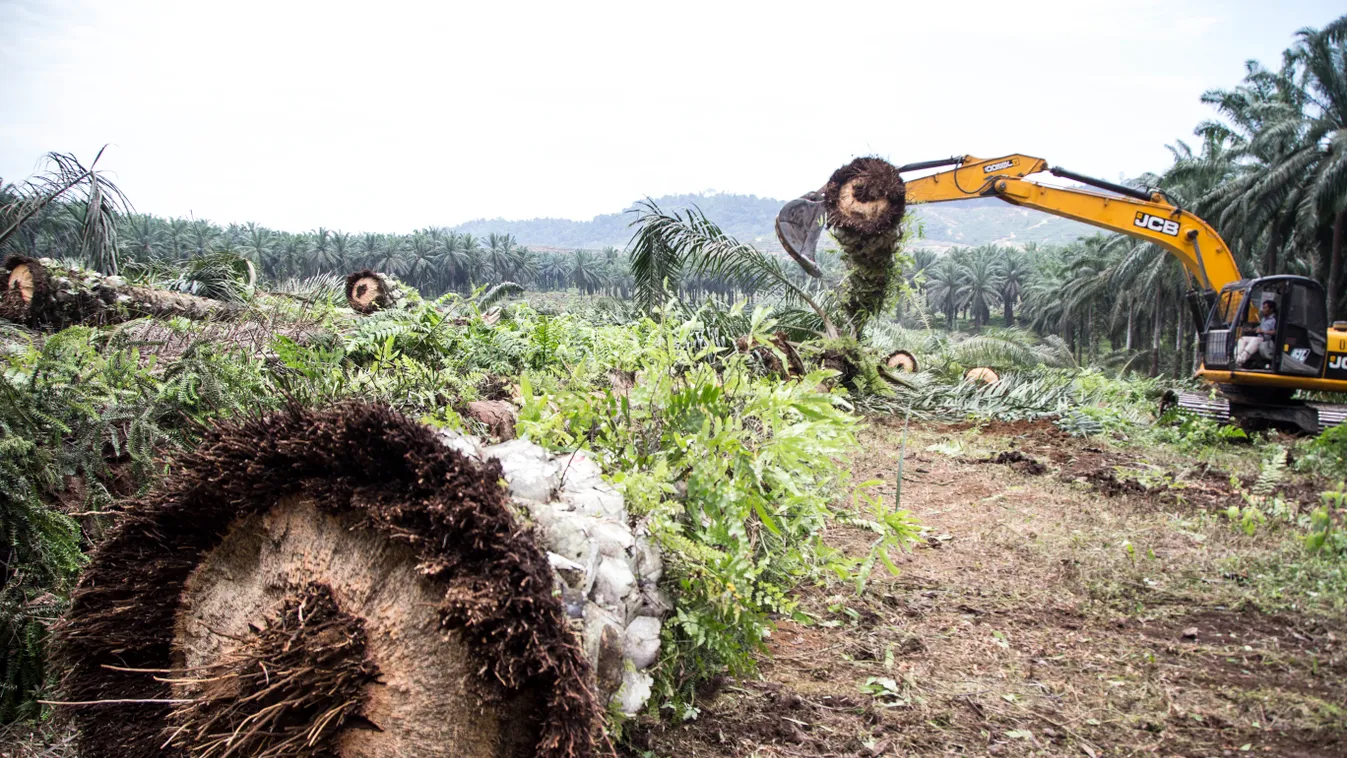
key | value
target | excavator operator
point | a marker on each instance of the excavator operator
(1261, 340)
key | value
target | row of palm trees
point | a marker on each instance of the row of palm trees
(434, 260)
(1091, 293)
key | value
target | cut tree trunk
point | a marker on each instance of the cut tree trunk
(368, 291)
(865, 201)
(1131, 312)
(338, 583)
(981, 375)
(902, 361)
(40, 295)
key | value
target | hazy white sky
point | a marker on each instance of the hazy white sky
(389, 116)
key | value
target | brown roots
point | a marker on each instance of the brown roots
(286, 689)
(193, 579)
(867, 196)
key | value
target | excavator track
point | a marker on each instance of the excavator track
(1214, 406)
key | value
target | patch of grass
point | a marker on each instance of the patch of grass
(1286, 578)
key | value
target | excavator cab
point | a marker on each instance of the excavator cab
(1298, 346)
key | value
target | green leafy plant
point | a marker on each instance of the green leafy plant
(81, 416)
(1327, 453)
(1326, 528)
(736, 475)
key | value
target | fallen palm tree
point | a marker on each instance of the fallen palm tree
(40, 294)
(350, 583)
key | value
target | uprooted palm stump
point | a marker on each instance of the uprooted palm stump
(981, 375)
(351, 583)
(369, 291)
(902, 361)
(865, 201)
(41, 294)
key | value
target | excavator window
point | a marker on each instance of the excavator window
(1300, 342)
(1226, 312)
(1303, 330)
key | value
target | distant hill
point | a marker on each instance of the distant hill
(749, 218)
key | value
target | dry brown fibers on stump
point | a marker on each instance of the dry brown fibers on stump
(54, 299)
(358, 520)
(367, 292)
(865, 200)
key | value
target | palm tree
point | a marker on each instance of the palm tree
(388, 255)
(295, 253)
(204, 237)
(1288, 128)
(502, 255)
(321, 244)
(341, 251)
(419, 264)
(453, 262)
(1012, 271)
(528, 266)
(92, 203)
(978, 284)
(258, 244)
(178, 236)
(942, 287)
(554, 270)
(144, 237)
(472, 251)
(584, 273)
(1323, 56)
(368, 247)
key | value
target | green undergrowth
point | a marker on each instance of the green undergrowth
(82, 417)
(737, 476)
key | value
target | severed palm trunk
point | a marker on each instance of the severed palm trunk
(40, 295)
(865, 200)
(368, 291)
(348, 583)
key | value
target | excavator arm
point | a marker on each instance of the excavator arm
(1144, 215)
(1148, 216)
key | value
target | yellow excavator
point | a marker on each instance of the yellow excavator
(1257, 378)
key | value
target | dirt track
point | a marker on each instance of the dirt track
(1074, 600)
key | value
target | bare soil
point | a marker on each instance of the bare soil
(1070, 599)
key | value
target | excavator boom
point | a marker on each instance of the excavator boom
(1148, 216)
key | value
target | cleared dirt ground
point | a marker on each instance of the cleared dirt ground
(1074, 599)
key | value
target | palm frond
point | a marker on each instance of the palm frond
(688, 240)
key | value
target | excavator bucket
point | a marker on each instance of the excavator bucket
(798, 226)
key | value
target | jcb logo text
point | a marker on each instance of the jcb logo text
(1157, 224)
(1338, 362)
